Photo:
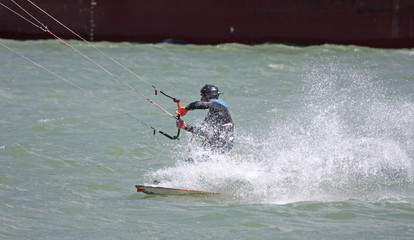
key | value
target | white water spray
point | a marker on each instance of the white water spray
(350, 137)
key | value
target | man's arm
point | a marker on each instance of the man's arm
(192, 106)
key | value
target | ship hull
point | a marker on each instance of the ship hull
(373, 23)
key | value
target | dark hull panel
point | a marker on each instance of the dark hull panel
(374, 23)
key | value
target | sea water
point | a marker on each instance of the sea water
(324, 142)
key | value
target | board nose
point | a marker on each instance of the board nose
(139, 188)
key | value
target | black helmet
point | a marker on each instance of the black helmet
(210, 90)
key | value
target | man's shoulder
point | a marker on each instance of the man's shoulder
(218, 101)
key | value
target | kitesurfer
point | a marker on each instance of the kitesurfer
(217, 130)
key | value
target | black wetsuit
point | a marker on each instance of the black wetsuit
(217, 128)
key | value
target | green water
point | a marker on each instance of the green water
(324, 149)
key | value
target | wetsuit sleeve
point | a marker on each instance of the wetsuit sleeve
(198, 105)
(198, 131)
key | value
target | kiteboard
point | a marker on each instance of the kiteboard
(170, 191)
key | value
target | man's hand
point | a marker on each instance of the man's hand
(183, 111)
(181, 124)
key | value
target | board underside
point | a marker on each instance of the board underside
(169, 191)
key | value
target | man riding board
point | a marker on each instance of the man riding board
(217, 130)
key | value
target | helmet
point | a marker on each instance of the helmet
(210, 90)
